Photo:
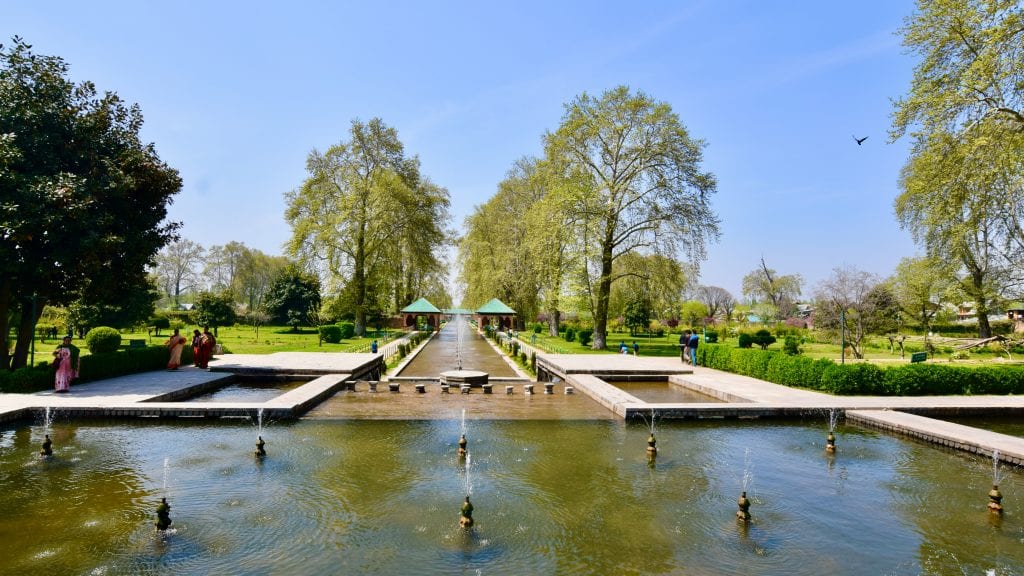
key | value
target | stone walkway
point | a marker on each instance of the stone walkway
(151, 394)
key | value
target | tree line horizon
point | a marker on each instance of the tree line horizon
(616, 214)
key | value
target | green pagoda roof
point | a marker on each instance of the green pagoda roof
(495, 306)
(421, 306)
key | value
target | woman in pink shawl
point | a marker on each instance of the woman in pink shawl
(68, 362)
(176, 343)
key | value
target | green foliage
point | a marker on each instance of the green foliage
(791, 345)
(584, 337)
(215, 309)
(27, 380)
(862, 378)
(102, 339)
(711, 336)
(763, 338)
(537, 328)
(330, 333)
(160, 322)
(348, 330)
(292, 294)
(84, 198)
(570, 335)
(746, 340)
(637, 315)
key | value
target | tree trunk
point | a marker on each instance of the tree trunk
(5, 327)
(359, 281)
(604, 289)
(26, 335)
(554, 319)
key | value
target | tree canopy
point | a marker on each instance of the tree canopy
(83, 200)
(368, 218)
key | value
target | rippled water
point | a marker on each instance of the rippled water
(551, 497)
(442, 354)
(664, 391)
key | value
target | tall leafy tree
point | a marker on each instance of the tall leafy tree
(177, 267)
(215, 309)
(780, 291)
(963, 186)
(361, 198)
(718, 300)
(292, 294)
(644, 186)
(82, 199)
(921, 287)
(857, 298)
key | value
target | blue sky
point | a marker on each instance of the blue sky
(235, 95)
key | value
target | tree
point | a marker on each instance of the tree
(921, 287)
(717, 299)
(82, 199)
(969, 74)
(641, 182)
(962, 187)
(638, 314)
(363, 201)
(177, 268)
(781, 291)
(215, 309)
(858, 298)
(223, 264)
(692, 311)
(292, 294)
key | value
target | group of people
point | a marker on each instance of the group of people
(688, 342)
(623, 349)
(203, 344)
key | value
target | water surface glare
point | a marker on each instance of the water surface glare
(551, 496)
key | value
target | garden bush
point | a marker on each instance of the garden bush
(711, 337)
(584, 337)
(745, 340)
(763, 338)
(102, 339)
(791, 346)
(348, 330)
(570, 335)
(330, 333)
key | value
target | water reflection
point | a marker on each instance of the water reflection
(443, 353)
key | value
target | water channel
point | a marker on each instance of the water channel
(559, 488)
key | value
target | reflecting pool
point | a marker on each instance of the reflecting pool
(551, 497)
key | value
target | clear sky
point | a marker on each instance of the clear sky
(236, 94)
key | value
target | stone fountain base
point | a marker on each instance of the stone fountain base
(463, 377)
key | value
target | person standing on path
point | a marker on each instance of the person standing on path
(684, 346)
(206, 344)
(67, 361)
(176, 343)
(197, 339)
(694, 342)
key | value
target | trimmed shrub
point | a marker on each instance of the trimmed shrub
(103, 339)
(570, 335)
(745, 340)
(330, 333)
(763, 338)
(27, 379)
(857, 378)
(711, 337)
(537, 328)
(348, 330)
(791, 346)
(584, 337)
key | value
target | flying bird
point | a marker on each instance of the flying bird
(859, 141)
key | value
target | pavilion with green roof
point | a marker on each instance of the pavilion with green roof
(496, 312)
(422, 307)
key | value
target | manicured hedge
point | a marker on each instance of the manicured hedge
(94, 367)
(330, 333)
(862, 378)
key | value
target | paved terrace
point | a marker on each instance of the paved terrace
(154, 394)
(745, 397)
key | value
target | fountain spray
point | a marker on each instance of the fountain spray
(995, 497)
(163, 510)
(743, 514)
(833, 419)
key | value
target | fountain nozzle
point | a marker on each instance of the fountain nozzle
(260, 450)
(163, 514)
(462, 446)
(830, 442)
(743, 513)
(466, 514)
(995, 499)
(652, 447)
(47, 447)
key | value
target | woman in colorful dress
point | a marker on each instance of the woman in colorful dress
(206, 345)
(67, 361)
(176, 343)
(197, 340)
